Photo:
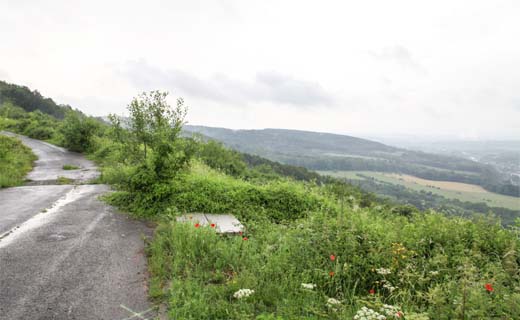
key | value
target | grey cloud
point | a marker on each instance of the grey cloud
(281, 88)
(269, 86)
(400, 55)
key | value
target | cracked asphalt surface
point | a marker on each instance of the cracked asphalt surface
(64, 254)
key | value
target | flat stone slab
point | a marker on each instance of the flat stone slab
(224, 223)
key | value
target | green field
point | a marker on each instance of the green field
(490, 198)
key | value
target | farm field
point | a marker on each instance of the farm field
(445, 185)
(448, 189)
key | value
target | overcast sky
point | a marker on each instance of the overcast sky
(421, 68)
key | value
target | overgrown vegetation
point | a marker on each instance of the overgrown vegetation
(428, 266)
(15, 161)
(314, 247)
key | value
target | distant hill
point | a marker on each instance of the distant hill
(326, 151)
(28, 100)
(292, 141)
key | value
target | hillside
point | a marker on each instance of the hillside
(325, 151)
(29, 100)
(283, 141)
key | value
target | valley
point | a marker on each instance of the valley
(448, 189)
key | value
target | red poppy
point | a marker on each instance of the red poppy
(212, 225)
(372, 291)
(331, 273)
(244, 238)
(197, 225)
(332, 257)
(489, 287)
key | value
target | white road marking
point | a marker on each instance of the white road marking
(43, 217)
(139, 315)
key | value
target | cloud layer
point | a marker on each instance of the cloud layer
(268, 86)
(446, 67)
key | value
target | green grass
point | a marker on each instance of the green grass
(70, 167)
(15, 161)
(434, 262)
(206, 190)
(64, 180)
(490, 198)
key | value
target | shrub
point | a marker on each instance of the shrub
(36, 131)
(78, 132)
(15, 161)
(204, 190)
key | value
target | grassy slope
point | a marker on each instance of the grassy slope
(433, 260)
(15, 161)
(490, 198)
(292, 229)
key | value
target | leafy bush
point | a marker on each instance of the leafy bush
(6, 123)
(78, 132)
(218, 157)
(37, 132)
(204, 190)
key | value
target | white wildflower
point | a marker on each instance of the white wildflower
(243, 293)
(434, 273)
(368, 314)
(333, 302)
(383, 271)
(309, 286)
(388, 286)
(391, 311)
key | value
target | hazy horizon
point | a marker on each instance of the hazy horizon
(382, 137)
(440, 70)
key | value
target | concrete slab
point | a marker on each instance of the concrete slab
(224, 223)
(194, 218)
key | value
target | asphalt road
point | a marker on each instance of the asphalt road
(49, 166)
(64, 254)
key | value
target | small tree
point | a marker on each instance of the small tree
(139, 122)
(116, 129)
(156, 125)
